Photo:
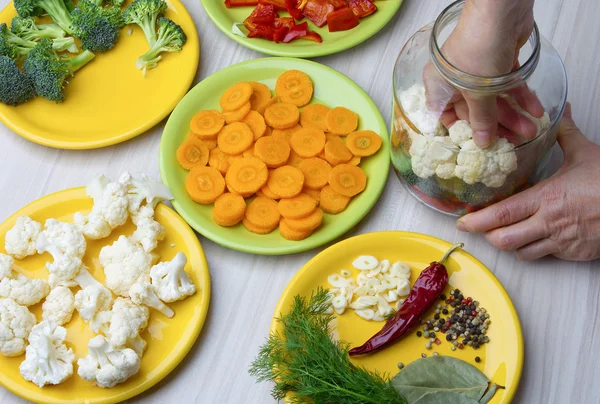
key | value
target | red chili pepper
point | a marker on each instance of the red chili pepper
(240, 3)
(362, 8)
(342, 20)
(317, 11)
(425, 292)
(293, 7)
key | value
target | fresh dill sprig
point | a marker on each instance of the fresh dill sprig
(307, 366)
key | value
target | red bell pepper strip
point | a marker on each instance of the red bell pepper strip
(268, 32)
(426, 290)
(293, 7)
(240, 3)
(312, 36)
(337, 4)
(298, 31)
(278, 4)
(261, 15)
(317, 11)
(362, 8)
(287, 22)
(342, 20)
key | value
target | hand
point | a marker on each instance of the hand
(559, 216)
(486, 42)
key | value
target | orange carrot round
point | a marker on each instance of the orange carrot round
(251, 227)
(294, 159)
(236, 96)
(256, 123)
(273, 152)
(286, 134)
(261, 108)
(229, 209)
(313, 116)
(263, 213)
(363, 143)
(336, 152)
(282, 115)
(246, 175)
(307, 223)
(286, 181)
(219, 160)
(204, 184)
(308, 142)
(355, 160)
(333, 202)
(192, 153)
(235, 138)
(297, 207)
(266, 192)
(316, 172)
(347, 179)
(290, 234)
(237, 115)
(313, 193)
(260, 94)
(341, 121)
(207, 124)
(294, 87)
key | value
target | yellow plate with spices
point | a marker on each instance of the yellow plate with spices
(109, 101)
(169, 340)
(501, 358)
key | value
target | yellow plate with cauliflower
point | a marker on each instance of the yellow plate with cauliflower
(168, 339)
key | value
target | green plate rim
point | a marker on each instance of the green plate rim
(379, 181)
(316, 50)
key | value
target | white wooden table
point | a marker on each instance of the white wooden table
(558, 302)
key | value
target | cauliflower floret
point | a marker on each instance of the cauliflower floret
(23, 290)
(66, 237)
(59, 305)
(170, 281)
(490, 166)
(64, 268)
(20, 240)
(109, 210)
(414, 103)
(93, 297)
(460, 132)
(127, 322)
(124, 264)
(144, 189)
(100, 323)
(433, 155)
(106, 365)
(16, 323)
(148, 232)
(144, 294)
(47, 359)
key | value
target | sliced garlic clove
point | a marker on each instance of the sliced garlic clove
(366, 314)
(337, 281)
(346, 273)
(367, 300)
(399, 304)
(365, 263)
(403, 288)
(399, 268)
(391, 296)
(385, 266)
(339, 302)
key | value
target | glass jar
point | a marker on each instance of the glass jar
(443, 168)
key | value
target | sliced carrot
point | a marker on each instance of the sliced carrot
(290, 234)
(207, 124)
(242, 194)
(263, 107)
(322, 155)
(282, 115)
(236, 96)
(266, 192)
(341, 121)
(347, 179)
(307, 223)
(204, 184)
(294, 159)
(237, 115)
(336, 152)
(256, 229)
(256, 123)
(313, 193)
(219, 160)
(211, 144)
(286, 134)
(229, 209)
(308, 142)
(316, 172)
(262, 212)
(363, 143)
(313, 116)
(355, 160)
(294, 87)
(192, 153)
(286, 181)
(249, 152)
(297, 207)
(268, 131)
(274, 152)
(333, 202)
(260, 94)
(246, 175)
(235, 138)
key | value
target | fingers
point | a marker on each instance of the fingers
(537, 249)
(483, 117)
(512, 210)
(448, 118)
(518, 235)
(570, 138)
(511, 119)
(528, 100)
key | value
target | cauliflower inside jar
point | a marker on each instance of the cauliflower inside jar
(436, 157)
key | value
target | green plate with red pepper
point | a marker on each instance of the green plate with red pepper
(307, 40)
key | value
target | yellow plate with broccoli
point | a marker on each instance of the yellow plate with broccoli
(109, 100)
(169, 340)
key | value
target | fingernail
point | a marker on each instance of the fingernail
(460, 225)
(482, 138)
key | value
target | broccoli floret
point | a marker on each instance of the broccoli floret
(56, 9)
(13, 46)
(116, 3)
(97, 27)
(48, 72)
(26, 28)
(145, 13)
(170, 38)
(15, 87)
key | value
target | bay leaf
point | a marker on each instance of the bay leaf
(440, 374)
(445, 397)
(490, 393)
